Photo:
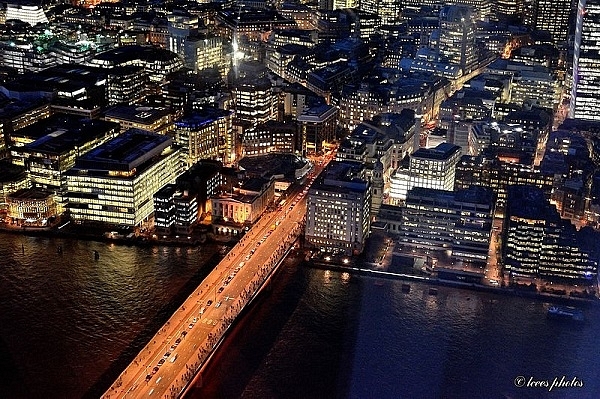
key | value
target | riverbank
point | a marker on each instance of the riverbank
(562, 299)
(99, 234)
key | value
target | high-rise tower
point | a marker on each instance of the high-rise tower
(457, 36)
(585, 94)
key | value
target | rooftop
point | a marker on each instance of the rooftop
(125, 152)
(134, 113)
(202, 117)
(442, 151)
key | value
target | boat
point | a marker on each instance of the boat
(433, 291)
(565, 312)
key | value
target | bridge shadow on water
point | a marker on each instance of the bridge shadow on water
(138, 343)
(248, 346)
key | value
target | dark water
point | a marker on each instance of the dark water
(321, 334)
(68, 324)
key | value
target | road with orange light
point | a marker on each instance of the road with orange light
(171, 359)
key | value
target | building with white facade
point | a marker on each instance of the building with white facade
(338, 209)
(115, 182)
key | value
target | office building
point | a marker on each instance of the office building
(273, 136)
(57, 142)
(126, 85)
(457, 37)
(585, 93)
(12, 179)
(156, 62)
(537, 243)
(115, 182)
(254, 102)
(31, 206)
(317, 126)
(175, 210)
(428, 167)
(434, 167)
(29, 13)
(552, 16)
(152, 119)
(459, 222)
(498, 173)
(207, 133)
(180, 26)
(338, 209)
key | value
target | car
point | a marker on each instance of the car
(148, 377)
(183, 333)
(209, 302)
(166, 355)
(191, 325)
(195, 319)
(154, 370)
(177, 341)
(218, 304)
(248, 257)
(221, 290)
(161, 361)
(173, 347)
(202, 311)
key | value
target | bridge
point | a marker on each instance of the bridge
(184, 344)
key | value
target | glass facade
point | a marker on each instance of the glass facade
(585, 94)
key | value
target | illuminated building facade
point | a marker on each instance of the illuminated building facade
(434, 167)
(181, 25)
(498, 174)
(126, 85)
(243, 206)
(552, 16)
(269, 137)
(429, 168)
(338, 209)
(12, 179)
(29, 13)
(457, 37)
(26, 57)
(63, 139)
(439, 220)
(203, 52)
(19, 114)
(175, 210)
(585, 93)
(157, 62)
(115, 182)
(207, 134)
(255, 102)
(318, 125)
(31, 206)
(538, 243)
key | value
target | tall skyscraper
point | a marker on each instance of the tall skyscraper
(457, 37)
(551, 16)
(585, 94)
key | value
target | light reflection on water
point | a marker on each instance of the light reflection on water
(65, 318)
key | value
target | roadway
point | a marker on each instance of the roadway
(164, 367)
